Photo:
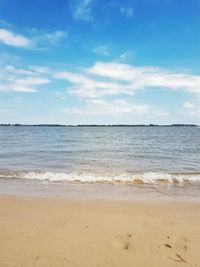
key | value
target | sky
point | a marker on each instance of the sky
(100, 61)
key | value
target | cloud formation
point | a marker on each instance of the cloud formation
(14, 79)
(144, 77)
(42, 38)
(102, 87)
(13, 39)
(82, 10)
(112, 78)
(90, 87)
(107, 78)
(37, 40)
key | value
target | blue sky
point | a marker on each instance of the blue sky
(98, 61)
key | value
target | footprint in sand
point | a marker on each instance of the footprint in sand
(123, 241)
(175, 248)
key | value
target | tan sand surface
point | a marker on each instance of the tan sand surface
(61, 232)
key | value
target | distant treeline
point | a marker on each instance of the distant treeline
(17, 124)
(102, 125)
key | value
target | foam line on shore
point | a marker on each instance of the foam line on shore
(135, 178)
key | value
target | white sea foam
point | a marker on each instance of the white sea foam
(148, 177)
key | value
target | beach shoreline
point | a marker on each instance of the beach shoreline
(48, 228)
(62, 232)
(77, 190)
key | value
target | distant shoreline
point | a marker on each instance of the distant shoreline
(99, 125)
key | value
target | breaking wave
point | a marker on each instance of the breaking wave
(124, 178)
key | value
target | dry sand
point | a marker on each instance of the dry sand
(60, 232)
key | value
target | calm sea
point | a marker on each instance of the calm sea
(92, 154)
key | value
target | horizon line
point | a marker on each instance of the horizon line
(102, 125)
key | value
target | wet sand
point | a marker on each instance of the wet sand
(38, 231)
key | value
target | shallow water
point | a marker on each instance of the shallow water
(111, 154)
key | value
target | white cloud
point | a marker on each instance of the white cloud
(113, 108)
(94, 84)
(14, 79)
(22, 85)
(113, 78)
(42, 38)
(12, 70)
(128, 12)
(55, 37)
(39, 38)
(13, 39)
(32, 81)
(102, 50)
(141, 77)
(83, 10)
(40, 69)
(87, 87)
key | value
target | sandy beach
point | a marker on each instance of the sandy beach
(48, 231)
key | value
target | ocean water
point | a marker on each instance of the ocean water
(101, 154)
